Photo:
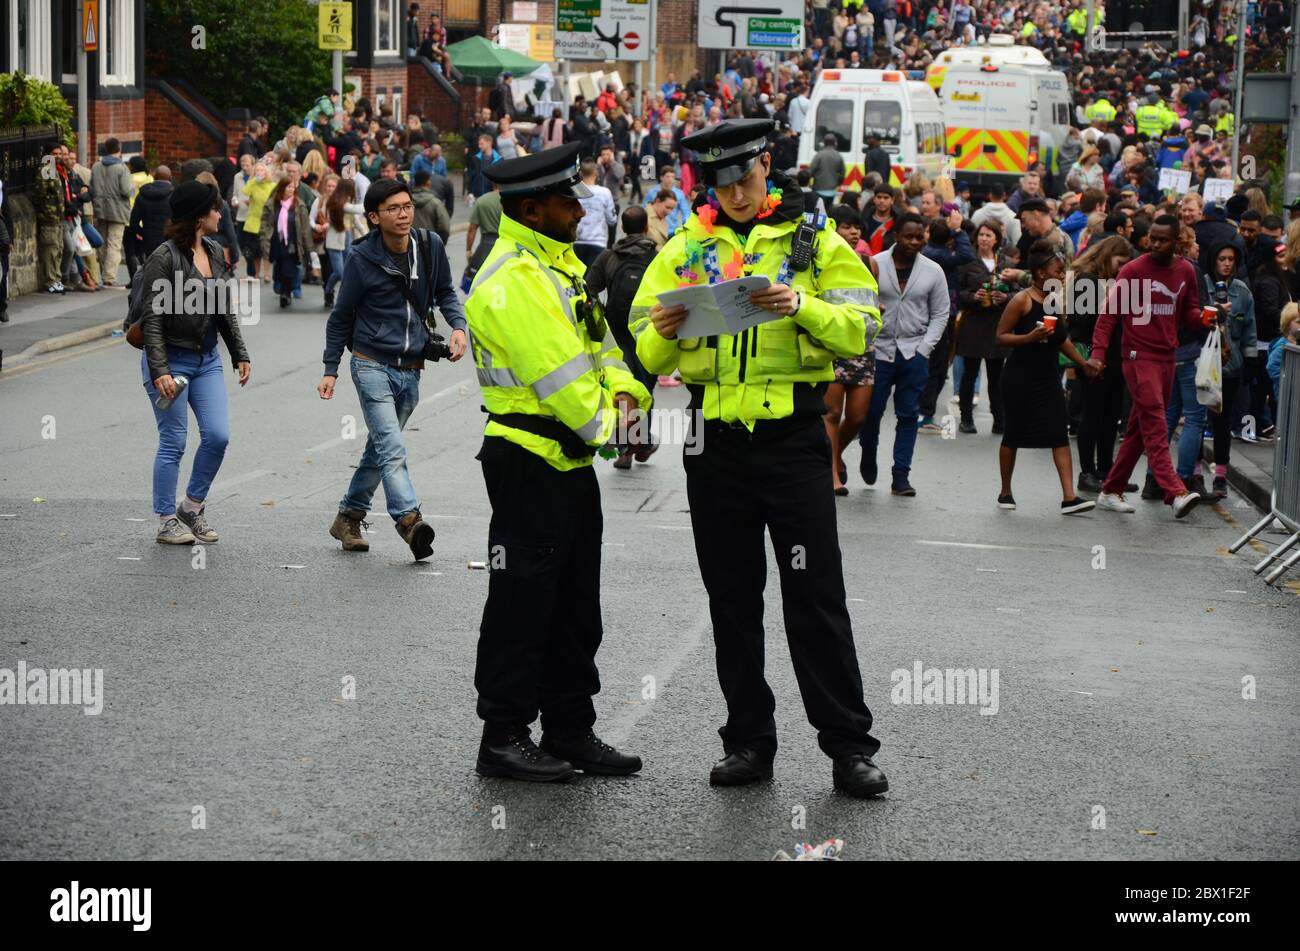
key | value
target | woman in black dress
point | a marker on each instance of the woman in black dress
(982, 297)
(1033, 401)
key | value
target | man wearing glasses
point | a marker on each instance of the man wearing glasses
(393, 277)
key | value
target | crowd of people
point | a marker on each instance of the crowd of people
(294, 206)
(1091, 206)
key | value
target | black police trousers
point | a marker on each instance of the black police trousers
(779, 479)
(541, 624)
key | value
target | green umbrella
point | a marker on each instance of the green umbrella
(476, 57)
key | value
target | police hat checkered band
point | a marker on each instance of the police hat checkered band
(567, 176)
(719, 154)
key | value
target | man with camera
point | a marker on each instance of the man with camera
(384, 315)
(554, 395)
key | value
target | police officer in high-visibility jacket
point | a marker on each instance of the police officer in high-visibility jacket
(1101, 113)
(764, 459)
(555, 390)
(1150, 117)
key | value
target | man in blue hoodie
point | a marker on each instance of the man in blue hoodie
(393, 277)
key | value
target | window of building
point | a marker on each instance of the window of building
(117, 42)
(29, 49)
(71, 38)
(388, 25)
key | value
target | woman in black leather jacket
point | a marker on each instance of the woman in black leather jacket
(180, 344)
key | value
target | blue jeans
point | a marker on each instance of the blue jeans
(907, 378)
(1183, 402)
(337, 261)
(388, 397)
(206, 395)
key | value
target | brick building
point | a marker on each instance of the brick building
(41, 38)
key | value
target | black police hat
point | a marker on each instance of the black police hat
(551, 171)
(728, 150)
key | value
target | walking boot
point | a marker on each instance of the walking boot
(417, 533)
(347, 529)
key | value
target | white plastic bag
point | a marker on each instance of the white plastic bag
(1209, 371)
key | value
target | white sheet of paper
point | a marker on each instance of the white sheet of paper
(719, 309)
(1176, 179)
(1216, 189)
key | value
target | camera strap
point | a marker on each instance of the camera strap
(423, 311)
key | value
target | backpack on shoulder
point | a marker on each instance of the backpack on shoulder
(138, 295)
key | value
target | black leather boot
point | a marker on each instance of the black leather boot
(740, 768)
(591, 755)
(518, 757)
(858, 776)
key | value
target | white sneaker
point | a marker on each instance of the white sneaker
(1113, 502)
(1185, 503)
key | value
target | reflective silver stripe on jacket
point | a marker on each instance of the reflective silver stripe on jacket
(484, 275)
(607, 359)
(861, 296)
(592, 428)
(638, 320)
(561, 376)
(487, 376)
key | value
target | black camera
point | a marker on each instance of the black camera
(436, 348)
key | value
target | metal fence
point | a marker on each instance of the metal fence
(21, 151)
(1285, 508)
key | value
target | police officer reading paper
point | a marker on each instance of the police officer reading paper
(554, 394)
(765, 459)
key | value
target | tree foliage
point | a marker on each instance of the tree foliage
(29, 100)
(258, 54)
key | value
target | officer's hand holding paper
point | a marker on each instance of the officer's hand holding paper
(719, 309)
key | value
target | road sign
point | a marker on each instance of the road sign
(90, 25)
(602, 30)
(335, 26)
(751, 24)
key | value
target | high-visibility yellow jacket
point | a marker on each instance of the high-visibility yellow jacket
(534, 353)
(1224, 123)
(1101, 110)
(768, 369)
(1150, 119)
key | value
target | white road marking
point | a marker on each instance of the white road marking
(224, 484)
(990, 570)
(127, 558)
(1083, 692)
(135, 520)
(621, 726)
(436, 574)
(293, 566)
(15, 515)
(922, 541)
(1234, 591)
(1009, 610)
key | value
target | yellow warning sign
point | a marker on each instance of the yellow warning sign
(335, 26)
(90, 25)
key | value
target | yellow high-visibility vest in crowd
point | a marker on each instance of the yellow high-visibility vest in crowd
(1150, 120)
(761, 373)
(1225, 123)
(535, 354)
(1101, 110)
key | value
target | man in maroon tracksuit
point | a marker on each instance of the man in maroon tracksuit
(1153, 294)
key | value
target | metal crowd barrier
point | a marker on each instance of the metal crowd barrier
(1285, 507)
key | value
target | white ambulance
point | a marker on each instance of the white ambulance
(1004, 107)
(850, 103)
